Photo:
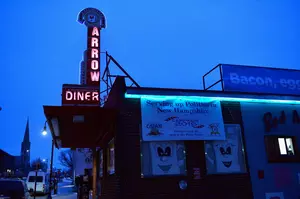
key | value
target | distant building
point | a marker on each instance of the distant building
(25, 150)
(17, 165)
(7, 162)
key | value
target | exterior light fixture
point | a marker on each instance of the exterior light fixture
(182, 184)
(44, 132)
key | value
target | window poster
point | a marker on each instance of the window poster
(226, 156)
(168, 158)
(186, 118)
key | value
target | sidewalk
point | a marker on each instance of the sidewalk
(65, 191)
(65, 196)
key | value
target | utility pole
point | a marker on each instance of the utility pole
(52, 185)
(36, 174)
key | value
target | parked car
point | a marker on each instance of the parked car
(13, 188)
(42, 182)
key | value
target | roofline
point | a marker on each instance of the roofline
(207, 93)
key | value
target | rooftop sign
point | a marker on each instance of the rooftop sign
(260, 79)
(80, 95)
(88, 93)
(93, 57)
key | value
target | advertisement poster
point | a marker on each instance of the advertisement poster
(226, 156)
(189, 118)
(166, 158)
(260, 79)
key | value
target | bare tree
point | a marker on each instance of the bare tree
(38, 163)
(66, 159)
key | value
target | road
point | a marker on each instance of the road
(64, 192)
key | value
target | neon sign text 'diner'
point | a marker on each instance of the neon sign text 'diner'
(82, 96)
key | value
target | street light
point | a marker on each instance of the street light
(44, 133)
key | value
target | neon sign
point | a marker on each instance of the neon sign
(93, 57)
(75, 95)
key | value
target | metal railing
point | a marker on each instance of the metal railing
(218, 67)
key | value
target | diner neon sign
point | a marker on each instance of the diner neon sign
(74, 94)
(93, 57)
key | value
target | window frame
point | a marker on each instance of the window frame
(273, 150)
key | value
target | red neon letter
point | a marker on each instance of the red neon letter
(94, 53)
(95, 96)
(69, 95)
(80, 96)
(87, 96)
(94, 42)
(95, 32)
(95, 76)
(94, 64)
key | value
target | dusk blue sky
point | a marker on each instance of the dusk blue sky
(160, 43)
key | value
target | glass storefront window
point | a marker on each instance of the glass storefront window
(226, 156)
(111, 157)
(163, 158)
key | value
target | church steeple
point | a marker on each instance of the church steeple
(25, 149)
(26, 134)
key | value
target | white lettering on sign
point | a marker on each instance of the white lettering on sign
(95, 32)
(95, 76)
(94, 64)
(94, 53)
(94, 42)
(82, 95)
(252, 80)
(282, 83)
(264, 81)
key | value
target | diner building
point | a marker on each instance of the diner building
(238, 141)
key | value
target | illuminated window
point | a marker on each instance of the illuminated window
(286, 146)
(111, 157)
(164, 158)
(226, 156)
(281, 149)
